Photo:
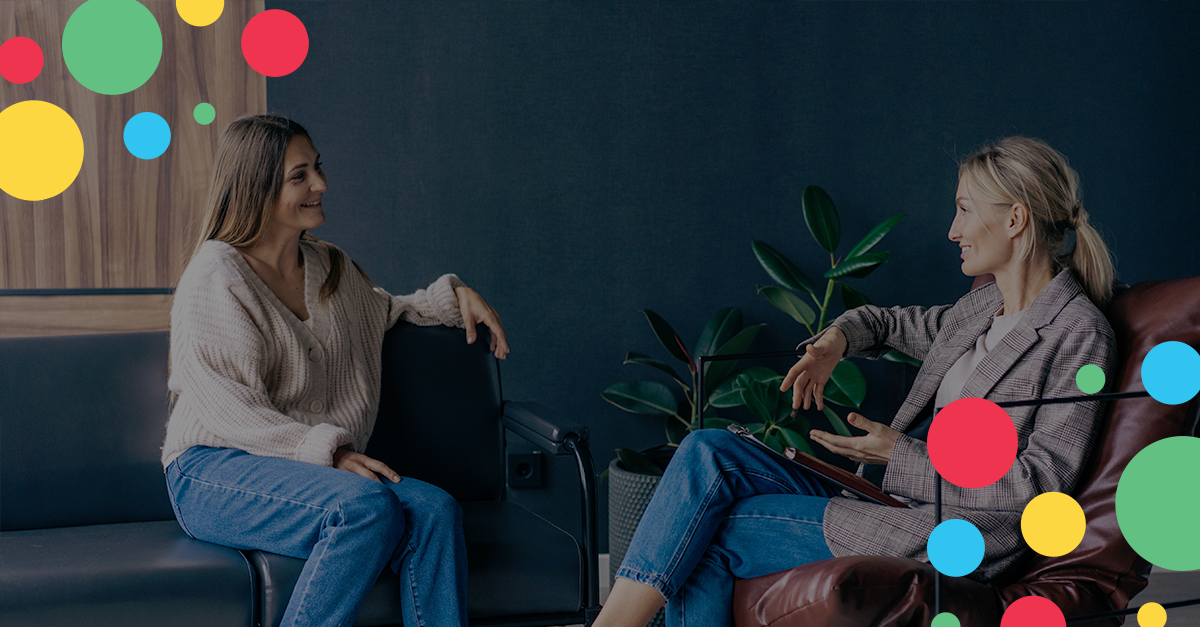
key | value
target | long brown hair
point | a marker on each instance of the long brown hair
(246, 181)
(1030, 172)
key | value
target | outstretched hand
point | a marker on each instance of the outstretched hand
(475, 310)
(873, 448)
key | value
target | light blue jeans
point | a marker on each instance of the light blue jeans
(723, 510)
(347, 527)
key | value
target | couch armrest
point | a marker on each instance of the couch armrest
(542, 426)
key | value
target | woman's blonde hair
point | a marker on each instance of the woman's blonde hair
(1030, 172)
(247, 178)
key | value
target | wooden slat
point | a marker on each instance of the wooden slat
(25, 316)
(124, 222)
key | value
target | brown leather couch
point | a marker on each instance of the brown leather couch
(1101, 575)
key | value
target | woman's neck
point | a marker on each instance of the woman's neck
(278, 252)
(1020, 287)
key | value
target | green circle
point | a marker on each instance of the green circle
(1090, 379)
(204, 113)
(945, 619)
(1158, 503)
(112, 46)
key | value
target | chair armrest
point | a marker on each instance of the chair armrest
(542, 426)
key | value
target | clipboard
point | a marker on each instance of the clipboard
(830, 475)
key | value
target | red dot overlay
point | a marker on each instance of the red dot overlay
(21, 60)
(1033, 612)
(972, 442)
(275, 43)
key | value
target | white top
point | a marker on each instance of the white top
(958, 374)
(250, 375)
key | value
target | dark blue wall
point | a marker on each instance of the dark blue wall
(578, 161)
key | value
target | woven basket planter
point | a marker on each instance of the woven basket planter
(628, 495)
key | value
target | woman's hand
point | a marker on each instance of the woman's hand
(873, 448)
(359, 464)
(812, 372)
(474, 309)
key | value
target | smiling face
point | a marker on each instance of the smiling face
(299, 205)
(985, 232)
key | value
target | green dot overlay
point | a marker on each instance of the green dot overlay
(1158, 503)
(1090, 379)
(112, 46)
(945, 619)
(204, 113)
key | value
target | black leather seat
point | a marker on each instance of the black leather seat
(87, 536)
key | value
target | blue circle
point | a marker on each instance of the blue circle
(1171, 373)
(147, 135)
(955, 548)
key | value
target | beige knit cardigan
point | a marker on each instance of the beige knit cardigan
(251, 375)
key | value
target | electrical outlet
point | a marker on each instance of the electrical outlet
(525, 470)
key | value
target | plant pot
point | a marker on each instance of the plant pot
(628, 495)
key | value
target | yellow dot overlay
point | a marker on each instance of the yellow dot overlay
(41, 150)
(1152, 615)
(1053, 524)
(199, 12)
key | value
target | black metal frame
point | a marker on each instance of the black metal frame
(937, 507)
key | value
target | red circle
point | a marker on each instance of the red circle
(1033, 612)
(21, 60)
(275, 43)
(972, 442)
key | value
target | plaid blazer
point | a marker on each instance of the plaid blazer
(1061, 332)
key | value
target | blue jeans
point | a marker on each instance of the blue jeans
(723, 510)
(347, 527)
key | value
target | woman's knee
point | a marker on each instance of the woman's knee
(429, 505)
(706, 441)
(374, 506)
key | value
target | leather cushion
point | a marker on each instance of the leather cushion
(517, 564)
(123, 575)
(98, 405)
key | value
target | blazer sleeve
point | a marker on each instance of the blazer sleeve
(217, 362)
(437, 304)
(872, 331)
(1051, 457)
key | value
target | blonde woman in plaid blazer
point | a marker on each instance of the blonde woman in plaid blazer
(723, 511)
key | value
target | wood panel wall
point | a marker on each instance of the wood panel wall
(125, 222)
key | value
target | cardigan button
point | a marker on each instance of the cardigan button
(317, 406)
(315, 354)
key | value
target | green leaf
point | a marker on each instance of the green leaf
(789, 303)
(712, 422)
(729, 394)
(852, 298)
(794, 439)
(676, 430)
(646, 360)
(668, 338)
(756, 428)
(772, 440)
(781, 268)
(761, 399)
(821, 217)
(836, 422)
(857, 267)
(642, 397)
(876, 234)
(901, 358)
(718, 370)
(846, 386)
(722, 326)
(634, 461)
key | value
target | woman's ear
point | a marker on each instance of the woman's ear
(1016, 220)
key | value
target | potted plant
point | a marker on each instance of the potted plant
(846, 387)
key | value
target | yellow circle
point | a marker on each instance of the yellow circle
(1053, 524)
(199, 12)
(1152, 615)
(41, 150)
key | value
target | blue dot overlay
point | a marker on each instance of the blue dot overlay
(1171, 373)
(955, 548)
(147, 135)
